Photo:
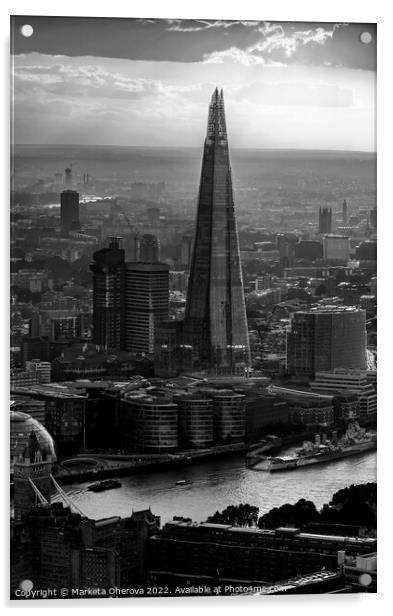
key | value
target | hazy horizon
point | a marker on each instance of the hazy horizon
(184, 147)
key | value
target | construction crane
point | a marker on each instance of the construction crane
(128, 222)
(263, 329)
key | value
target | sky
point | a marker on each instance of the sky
(148, 82)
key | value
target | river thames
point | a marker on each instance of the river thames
(221, 482)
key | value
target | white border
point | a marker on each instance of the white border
(284, 10)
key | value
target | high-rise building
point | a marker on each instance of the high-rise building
(146, 297)
(325, 220)
(215, 322)
(69, 211)
(108, 295)
(326, 338)
(149, 249)
(186, 249)
(68, 179)
(373, 218)
(345, 211)
(336, 248)
(153, 216)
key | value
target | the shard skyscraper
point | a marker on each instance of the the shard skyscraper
(215, 325)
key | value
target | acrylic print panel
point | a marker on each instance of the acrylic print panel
(193, 308)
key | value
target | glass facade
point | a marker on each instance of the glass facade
(21, 426)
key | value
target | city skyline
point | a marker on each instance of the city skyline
(144, 83)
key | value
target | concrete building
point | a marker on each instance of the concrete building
(187, 552)
(356, 381)
(57, 548)
(146, 298)
(42, 367)
(336, 248)
(325, 338)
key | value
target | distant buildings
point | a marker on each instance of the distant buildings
(69, 211)
(326, 338)
(149, 249)
(336, 248)
(325, 220)
(187, 243)
(345, 212)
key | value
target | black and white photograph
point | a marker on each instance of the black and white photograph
(193, 308)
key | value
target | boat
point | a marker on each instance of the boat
(183, 482)
(355, 441)
(106, 484)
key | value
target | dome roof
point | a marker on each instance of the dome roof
(21, 427)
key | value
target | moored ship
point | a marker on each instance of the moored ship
(106, 484)
(356, 440)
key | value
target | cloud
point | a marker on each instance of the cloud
(178, 25)
(241, 56)
(274, 39)
(88, 80)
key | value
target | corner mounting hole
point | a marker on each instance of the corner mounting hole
(366, 37)
(27, 30)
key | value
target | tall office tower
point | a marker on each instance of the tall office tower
(149, 251)
(345, 211)
(373, 218)
(108, 295)
(136, 248)
(68, 179)
(69, 211)
(325, 220)
(326, 338)
(215, 321)
(153, 216)
(146, 298)
(186, 249)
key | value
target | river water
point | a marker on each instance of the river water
(221, 482)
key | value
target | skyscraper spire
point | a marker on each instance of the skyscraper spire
(216, 325)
